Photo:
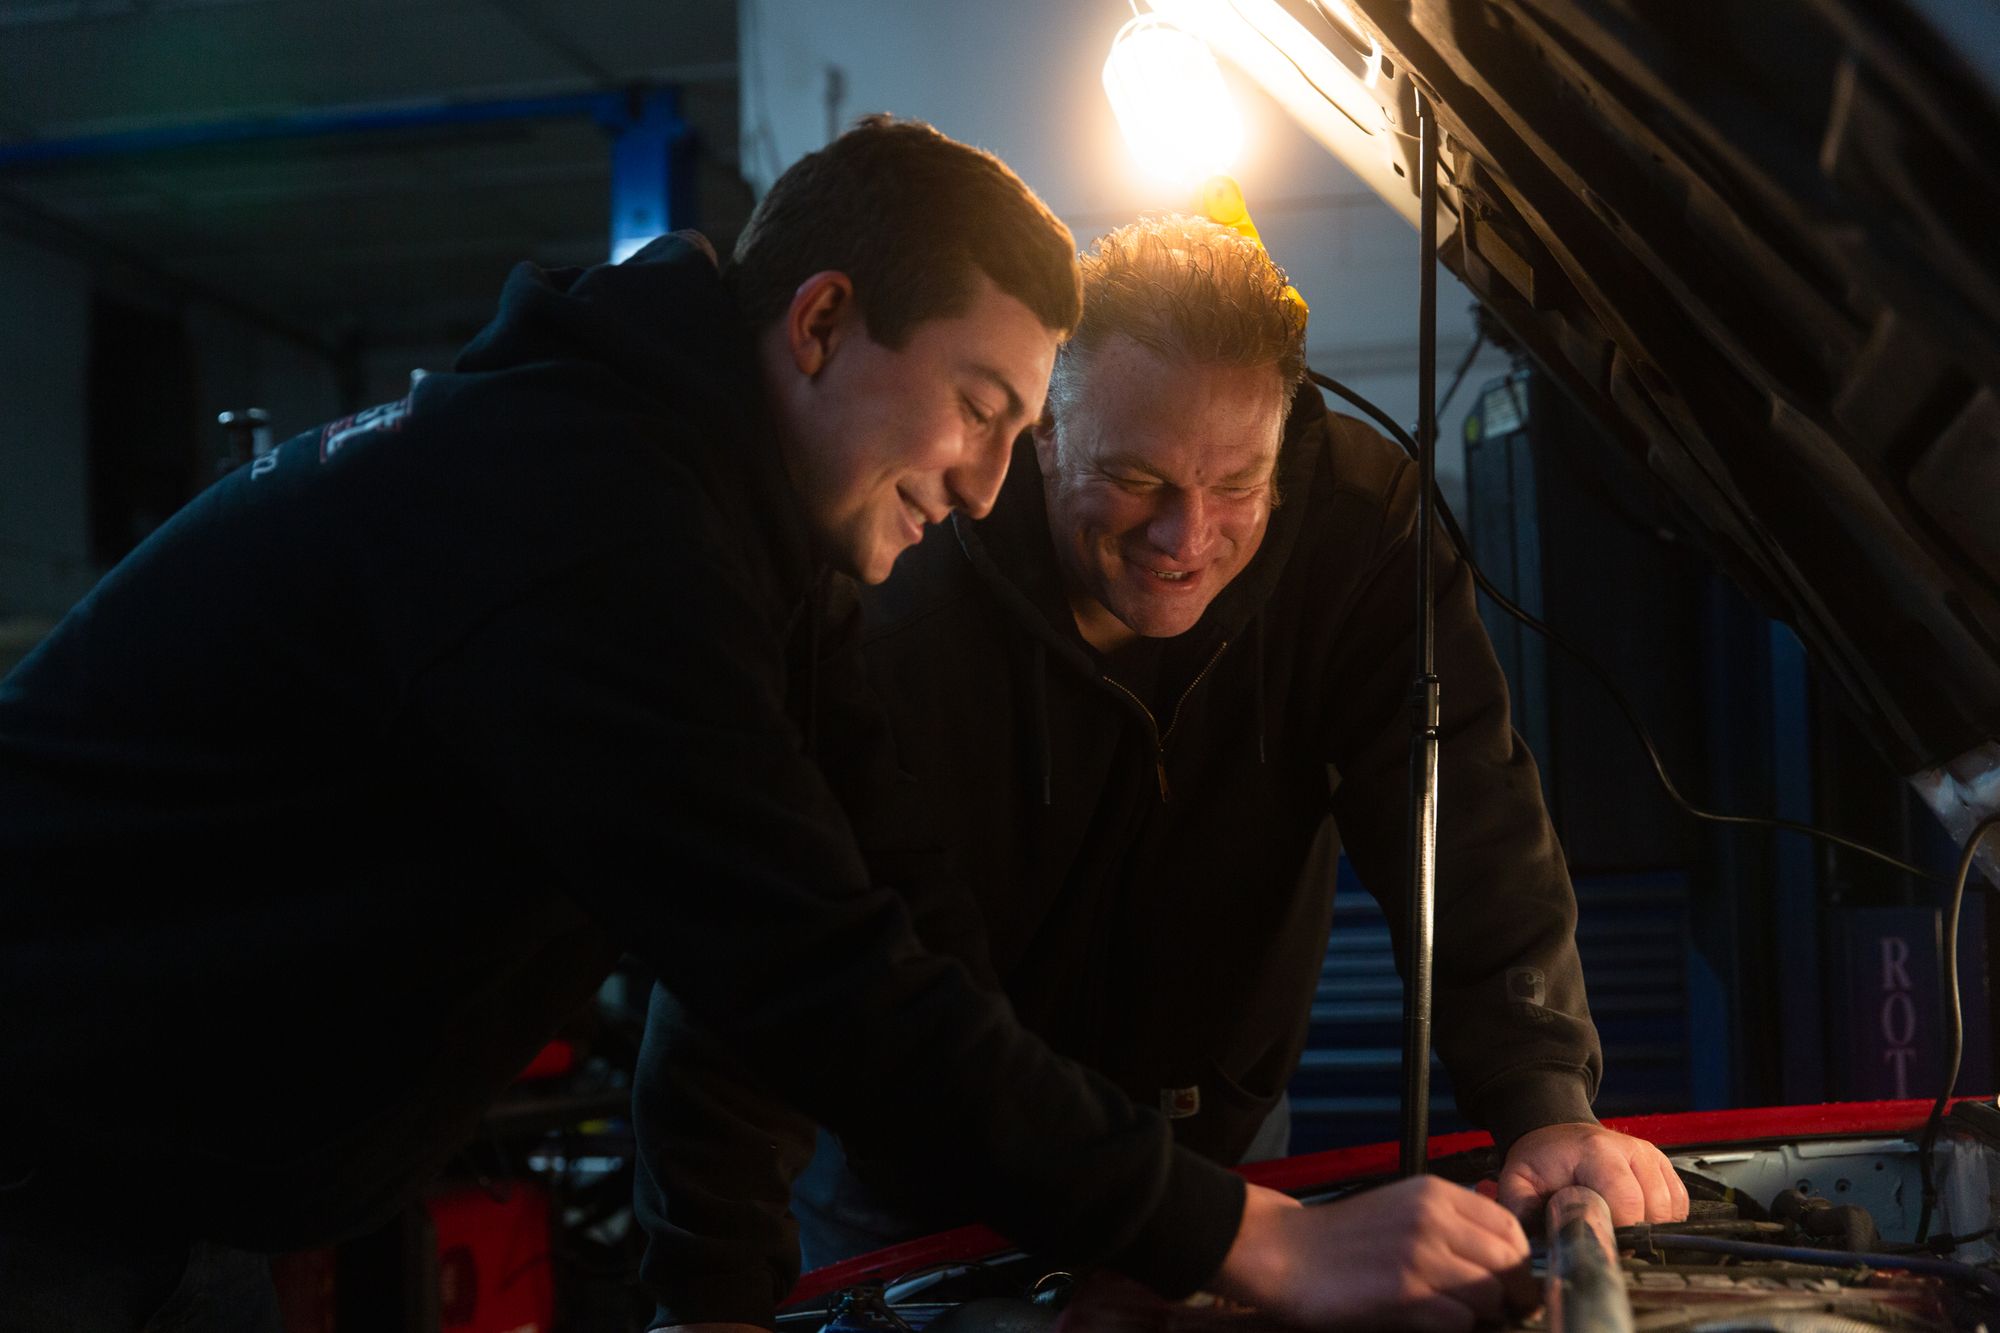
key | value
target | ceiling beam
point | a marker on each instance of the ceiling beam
(609, 108)
(28, 221)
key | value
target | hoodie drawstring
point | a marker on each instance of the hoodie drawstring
(816, 612)
(1257, 667)
(1040, 704)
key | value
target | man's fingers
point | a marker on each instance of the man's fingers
(1619, 1184)
(1673, 1203)
(1665, 1196)
(1637, 1181)
(1495, 1240)
(1480, 1292)
(1418, 1254)
(1437, 1314)
(1523, 1291)
(1490, 1251)
(1474, 1286)
(1520, 1195)
(1653, 1175)
(1655, 1197)
(1464, 1245)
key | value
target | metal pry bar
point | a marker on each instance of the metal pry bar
(1424, 695)
(1585, 1287)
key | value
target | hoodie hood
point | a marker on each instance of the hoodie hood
(611, 314)
(654, 323)
(1013, 553)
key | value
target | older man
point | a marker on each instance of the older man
(1123, 704)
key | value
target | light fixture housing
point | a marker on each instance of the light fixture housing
(1171, 102)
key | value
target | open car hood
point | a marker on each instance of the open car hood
(1758, 241)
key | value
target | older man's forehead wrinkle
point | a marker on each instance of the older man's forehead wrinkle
(1130, 463)
(1262, 470)
(1253, 471)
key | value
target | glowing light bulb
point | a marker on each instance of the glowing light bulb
(1171, 103)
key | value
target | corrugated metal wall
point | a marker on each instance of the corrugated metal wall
(1632, 935)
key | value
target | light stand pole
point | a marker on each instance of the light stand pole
(1424, 694)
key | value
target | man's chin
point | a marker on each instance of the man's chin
(864, 568)
(1156, 622)
(875, 572)
(878, 563)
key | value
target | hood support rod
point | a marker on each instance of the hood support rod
(1424, 693)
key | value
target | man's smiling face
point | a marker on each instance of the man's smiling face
(1159, 479)
(881, 441)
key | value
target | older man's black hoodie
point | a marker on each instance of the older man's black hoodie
(325, 808)
(1121, 855)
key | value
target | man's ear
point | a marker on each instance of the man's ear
(818, 320)
(1045, 440)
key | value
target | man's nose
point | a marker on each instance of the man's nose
(1182, 530)
(974, 484)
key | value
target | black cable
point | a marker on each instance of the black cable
(1944, 1244)
(1792, 1254)
(1458, 376)
(1624, 705)
(942, 1268)
(1955, 1012)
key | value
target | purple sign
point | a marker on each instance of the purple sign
(1893, 1010)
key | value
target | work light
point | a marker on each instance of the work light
(1171, 103)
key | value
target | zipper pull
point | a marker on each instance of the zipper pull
(1160, 767)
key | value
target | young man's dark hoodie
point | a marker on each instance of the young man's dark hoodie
(327, 806)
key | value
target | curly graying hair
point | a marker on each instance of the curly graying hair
(1189, 289)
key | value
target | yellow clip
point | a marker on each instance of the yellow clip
(1221, 200)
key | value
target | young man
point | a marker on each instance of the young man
(326, 807)
(1117, 700)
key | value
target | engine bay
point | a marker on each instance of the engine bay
(1813, 1234)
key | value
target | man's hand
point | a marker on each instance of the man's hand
(1634, 1177)
(1419, 1254)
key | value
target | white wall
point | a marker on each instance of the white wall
(44, 505)
(242, 367)
(1023, 79)
(45, 311)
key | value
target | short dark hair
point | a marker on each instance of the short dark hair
(911, 216)
(1191, 290)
